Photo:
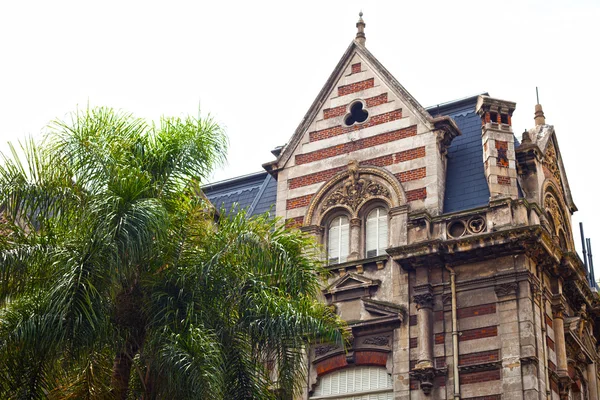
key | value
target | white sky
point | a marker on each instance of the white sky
(257, 66)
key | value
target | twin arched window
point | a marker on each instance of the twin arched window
(338, 246)
(375, 236)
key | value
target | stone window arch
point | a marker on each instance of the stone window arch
(355, 192)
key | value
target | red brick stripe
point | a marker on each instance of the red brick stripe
(297, 202)
(412, 320)
(411, 175)
(417, 194)
(356, 87)
(490, 397)
(439, 338)
(478, 358)
(482, 309)
(363, 144)
(340, 130)
(323, 176)
(477, 377)
(356, 68)
(478, 333)
(341, 110)
(550, 343)
(503, 180)
(551, 366)
(294, 222)
(548, 320)
(412, 343)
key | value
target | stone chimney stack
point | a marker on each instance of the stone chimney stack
(498, 143)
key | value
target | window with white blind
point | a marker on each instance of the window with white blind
(376, 232)
(338, 240)
(359, 383)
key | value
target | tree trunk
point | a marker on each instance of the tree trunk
(121, 374)
(131, 323)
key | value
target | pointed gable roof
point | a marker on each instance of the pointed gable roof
(544, 137)
(354, 48)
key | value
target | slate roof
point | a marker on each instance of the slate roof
(466, 187)
(254, 192)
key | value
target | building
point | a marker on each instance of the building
(448, 238)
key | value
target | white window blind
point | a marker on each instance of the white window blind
(359, 383)
(376, 232)
(339, 240)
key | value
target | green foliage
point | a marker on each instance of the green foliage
(116, 281)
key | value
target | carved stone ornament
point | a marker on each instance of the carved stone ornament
(551, 161)
(554, 211)
(424, 300)
(476, 225)
(355, 190)
(324, 349)
(425, 376)
(383, 340)
(506, 289)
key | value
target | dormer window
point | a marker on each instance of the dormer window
(376, 232)
(338, 246)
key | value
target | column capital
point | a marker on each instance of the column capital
(312, 229)
(355, 222)
(423, 300)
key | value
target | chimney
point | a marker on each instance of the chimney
(498, 143)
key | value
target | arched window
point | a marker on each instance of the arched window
(338, 240)
(365, 383)
(376, 240)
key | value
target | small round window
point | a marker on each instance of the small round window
(357, 114)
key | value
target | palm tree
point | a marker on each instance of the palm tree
(117, 281)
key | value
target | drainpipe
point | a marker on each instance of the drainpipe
(454, 333)
(543, 324)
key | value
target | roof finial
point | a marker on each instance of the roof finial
(360, 35)
(539, 117)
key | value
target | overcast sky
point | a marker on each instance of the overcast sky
(257, 66)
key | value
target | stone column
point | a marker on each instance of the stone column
(424, 371)
(592, 380)
(562, 367)
(355, 230)
(559, 338)
(424, 312)
(510, 340)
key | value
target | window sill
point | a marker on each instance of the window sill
(359, 265)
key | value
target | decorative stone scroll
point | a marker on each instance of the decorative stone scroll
(383, 340)
(320, 351)
(355, 190)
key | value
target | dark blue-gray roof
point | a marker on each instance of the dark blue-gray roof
(255, 192)
(466, 186)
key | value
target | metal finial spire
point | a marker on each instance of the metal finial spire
(360, 35)
(539, 117)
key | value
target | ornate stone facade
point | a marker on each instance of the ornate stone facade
(477, 292)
